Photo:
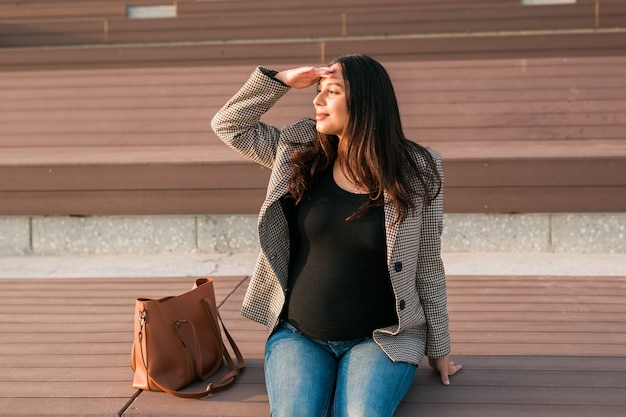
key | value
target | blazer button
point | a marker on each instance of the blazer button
(402, 304)
(397, 266)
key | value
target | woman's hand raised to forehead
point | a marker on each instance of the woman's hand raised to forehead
(303, 77)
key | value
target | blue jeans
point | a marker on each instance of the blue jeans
(310, 377)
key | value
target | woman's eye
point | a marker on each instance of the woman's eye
(318, 91)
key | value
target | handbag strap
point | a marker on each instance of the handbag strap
(226, 381)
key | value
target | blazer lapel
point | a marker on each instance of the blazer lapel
(408, 231)
(391, 227)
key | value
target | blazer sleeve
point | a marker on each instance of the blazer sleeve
(431, 277)
(238, 123)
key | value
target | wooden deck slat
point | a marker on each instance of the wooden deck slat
(554, 378)
(61, 337)
(91, 9)
(68, 389)
(195, 167)
(26, 9)
(143, 133)
(125, 202)
(533, 316)
(160, 202)
(516, 135)
(517, 410)
(55, 122)
(59, 407)
(437, 136)
(71, 347)
(296, 107)
(498, 67)
(547, 199)
(534, 363)
(515, 349)
(294, 53)
(528, 396)
(286, 23)
(468, 19)
(452, 149)
(530, 326)
(460, 200)
(454, 76)
(557, 307)
(30, 328)
(560, 352)
(590, 99)
(67, 361)
(608, 339)
(58, 374)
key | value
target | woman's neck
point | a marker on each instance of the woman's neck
(343, 181)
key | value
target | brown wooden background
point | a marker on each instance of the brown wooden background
(100, 114)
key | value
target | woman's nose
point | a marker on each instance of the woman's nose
(318, 100)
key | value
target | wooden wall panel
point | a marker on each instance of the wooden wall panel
(496, 100)
(100, 114)
(423, 30)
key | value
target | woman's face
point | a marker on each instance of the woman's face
(331, 107)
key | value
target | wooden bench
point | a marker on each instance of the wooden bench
(516, 135)
(459, 10)
(113, 27)
(16, 11)
(539, 345)
(227, 33)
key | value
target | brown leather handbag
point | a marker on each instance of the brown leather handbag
(178, 340)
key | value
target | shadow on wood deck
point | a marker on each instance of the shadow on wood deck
(530, 346)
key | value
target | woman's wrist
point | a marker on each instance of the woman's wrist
(273, 74)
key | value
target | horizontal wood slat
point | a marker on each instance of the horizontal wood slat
(192, 121)
(204, 21)
(323, 23)
(530, 345)
(516, 135)
(535, 200)
(17, 11)
(298, 52)
(93, 34)
(237, 199)
(417, 98)
(27, 9)
(151, 202)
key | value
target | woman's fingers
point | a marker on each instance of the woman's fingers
(303, 77)
(446, 368)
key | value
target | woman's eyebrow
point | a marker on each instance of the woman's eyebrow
(330, 83)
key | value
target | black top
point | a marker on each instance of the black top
(339, 286)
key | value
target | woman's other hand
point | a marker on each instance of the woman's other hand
(303, 77)
(446, 368)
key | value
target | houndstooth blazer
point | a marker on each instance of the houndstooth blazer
(413, 247)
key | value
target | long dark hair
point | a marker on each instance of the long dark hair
(376, 153)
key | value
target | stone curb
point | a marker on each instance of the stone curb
(474, 264)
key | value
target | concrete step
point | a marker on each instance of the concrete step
(224, 234)
(457, 263)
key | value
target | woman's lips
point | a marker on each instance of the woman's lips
(321, 116)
